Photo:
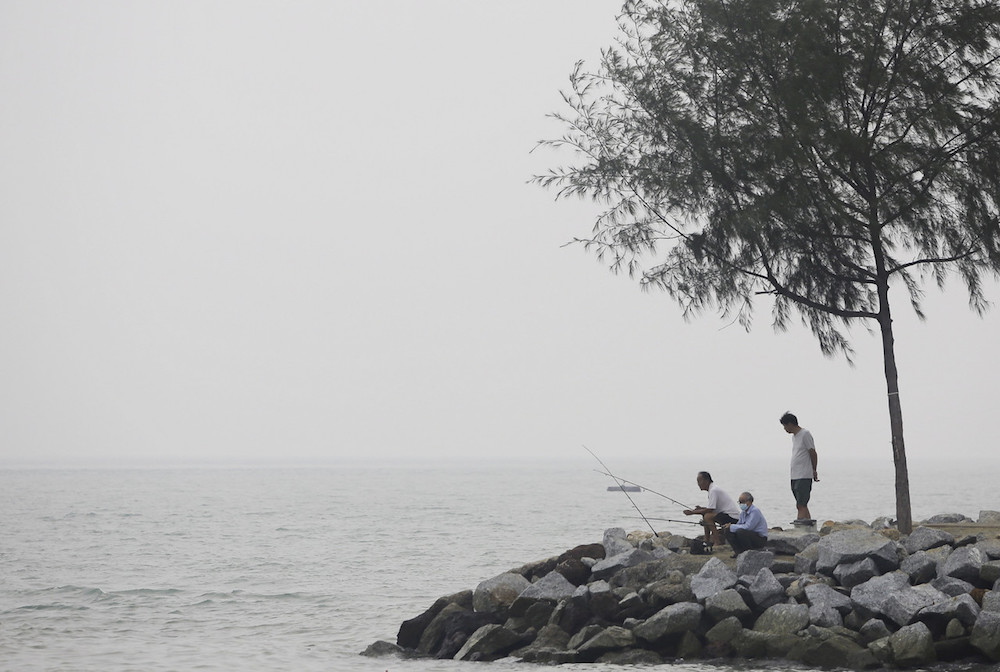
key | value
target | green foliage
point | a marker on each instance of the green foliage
(817, 151)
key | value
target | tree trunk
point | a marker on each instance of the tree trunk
(904, 517)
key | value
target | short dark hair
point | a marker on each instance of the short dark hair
(707, 476)
(747, 496)
(789, 419)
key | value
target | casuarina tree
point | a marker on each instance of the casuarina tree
(816, 153)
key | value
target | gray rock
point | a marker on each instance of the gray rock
(912, 646)
(610, 566)
(855, 573)
(951, 586)
(553, 586)
(989, 572)
(954, 629)
(608, 639)
(783, 619)
(713, 578)
(948, 518)
(991, 601)
(489, 642)
(635, 657)
(724, 631)
(834, 652)
(986, 635)
(850, 546)
(765, 590)
(869, 597)
(583, 635)
(748, 563)
(990, 548)
(498, 593)
(821, 595)
(727, 604)
(825, 616)
(964, 564)
(926, 538)
(616, 542)
(689, 646)
(989, 517)
(902, 606)
(435, 632)
(670, 620)
(920, 567)
(750, 644)
(962, 608)
(789, 543)
(411, 630)
(383, 648)
(874, 628)
(805, 560)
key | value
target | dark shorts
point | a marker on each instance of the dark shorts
(723, 518)
(802, 489)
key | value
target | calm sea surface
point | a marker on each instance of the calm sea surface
(301, 569)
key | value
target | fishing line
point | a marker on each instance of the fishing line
(644, 488)
(622, 488)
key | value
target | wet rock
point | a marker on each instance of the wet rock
(835, 651)
(410, 630)
(489, 642)
(912, 646)
(636, 657)
(724, 631)
(549, 638)
(926, 538)
(383, 648)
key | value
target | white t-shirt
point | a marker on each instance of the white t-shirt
(721, 502)
(802, 443)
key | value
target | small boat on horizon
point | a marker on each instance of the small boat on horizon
(626, 488)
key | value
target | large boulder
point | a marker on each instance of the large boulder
(825, 617)
(608, 639)
(783, 619)
(854, 573)
(850, 546)
(869, 597)
(964, 563)
(727, 604)
(822, 595)
(938, 615)
(748, 563)
(613, 564)
(553, 586)
(834, 651)
(671, 620)
(912, 646)
(949, 585)
(765, 590)
(926, 538)
(489, 642)
(903, 605)
(410, 630)
(498, 593)
(986, 635)
(805, 560)
(920, 567)
(790, 542)
(616, 542)
(713, 578)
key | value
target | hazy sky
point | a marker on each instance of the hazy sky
(290, 231)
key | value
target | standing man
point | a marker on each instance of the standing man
(721, 509)
(751, 530)
(803, 464)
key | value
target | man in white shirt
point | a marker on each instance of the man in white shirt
(721, 509)
(804, 461)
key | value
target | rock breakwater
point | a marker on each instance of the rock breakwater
(853, 595)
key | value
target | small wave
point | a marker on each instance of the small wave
(149, 591)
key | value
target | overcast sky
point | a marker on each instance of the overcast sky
(302, 231)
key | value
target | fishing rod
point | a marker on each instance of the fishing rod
(644, 488)
(608, 472)
(674, 520)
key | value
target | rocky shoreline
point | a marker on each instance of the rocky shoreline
(852, 594)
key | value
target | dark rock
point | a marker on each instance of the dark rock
(926, 538)
(752, 643)
(450, 629)
(595, 551)
(383, 648)
(873, 629)
(724, 631)
(636, 657)
(788, 543)
(948, 518)
(835, 651)
(912, 646)
(689, 647)
(608, 639)
(666, 592)
(610, 566)
(411, 630)
(783, 619)
(574, 570)
(951, 586)
(937, 616)
(535, 616)
(826, 617)
(805, 560)
(954, 649)
(903, 605)
(489, 642)
(989, 572)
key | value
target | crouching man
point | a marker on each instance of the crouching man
(750, 531)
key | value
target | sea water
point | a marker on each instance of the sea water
(302, 568)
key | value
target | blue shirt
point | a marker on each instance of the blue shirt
(751, 519)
